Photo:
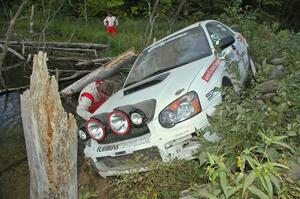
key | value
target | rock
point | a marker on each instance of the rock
(269, 86)
(277, 61)
(277, 72)
(259, 103)
(268, 96)
(294, 171)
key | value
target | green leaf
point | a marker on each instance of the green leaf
(275, 164)
(248, 181)
(223, 182)
(277, 138)
(251, 161)
(275, 181)
(283, 145)
(233, 190)
(210, 159)
(258, 192)
(269, 185)
(263, 182)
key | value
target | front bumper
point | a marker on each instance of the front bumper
(160, 145)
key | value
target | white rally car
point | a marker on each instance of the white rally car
(166, 97)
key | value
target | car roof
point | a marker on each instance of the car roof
(201, 23)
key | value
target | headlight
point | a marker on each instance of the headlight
(118, 123)
(95, 129)
(181, 109)
(138, 118)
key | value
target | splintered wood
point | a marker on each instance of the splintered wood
(50, 136)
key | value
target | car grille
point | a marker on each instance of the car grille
(139, 158)
(133, 133)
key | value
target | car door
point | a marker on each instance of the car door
(218, 31)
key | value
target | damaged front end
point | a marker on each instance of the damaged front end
(115, 138)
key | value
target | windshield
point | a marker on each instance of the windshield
(173, 52)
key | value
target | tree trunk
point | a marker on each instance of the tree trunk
(100, 73)
(95, 46)
(50, 136)
(93, 62)
(85, 11)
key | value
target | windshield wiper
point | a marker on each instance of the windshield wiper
(152, 74)
(131, 83)
(169, 68)
(158, 72)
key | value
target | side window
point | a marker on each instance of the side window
(217, 32)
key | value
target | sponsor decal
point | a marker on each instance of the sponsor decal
(107, 148)
(179, 91)
(211, 69)
(211, 94)
(124, 145)
(240, 38)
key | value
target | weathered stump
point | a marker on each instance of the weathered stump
(50, 136)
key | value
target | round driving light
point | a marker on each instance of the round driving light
(118, 123)
(136, 118)
(95, 129)
(82, 134)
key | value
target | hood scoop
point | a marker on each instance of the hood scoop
(146, 84)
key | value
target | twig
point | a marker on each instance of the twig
(9, 90)
(7, 68)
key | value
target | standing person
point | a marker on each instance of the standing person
(92, 97)
(111, 22)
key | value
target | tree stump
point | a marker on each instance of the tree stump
(50, 136)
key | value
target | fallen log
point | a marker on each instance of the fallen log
(93, 62)
(98, 47)
(68, 59)
(50, 137)
(50, 49)
(107, 70)
(69, 71)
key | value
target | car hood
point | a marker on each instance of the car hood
(169, 89)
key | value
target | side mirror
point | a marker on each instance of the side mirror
(225, 42)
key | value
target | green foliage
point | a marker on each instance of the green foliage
(254, 174)
(162, 181)
(96, 7)
(87, 195)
